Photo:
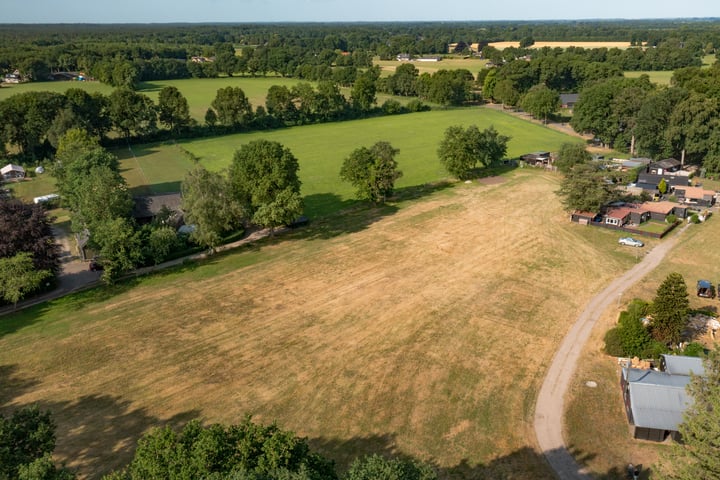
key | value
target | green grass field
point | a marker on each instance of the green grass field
(321, 150)
(660, 78)
(473, 64)
(199, 92)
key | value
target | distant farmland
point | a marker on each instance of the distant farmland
(502, 45)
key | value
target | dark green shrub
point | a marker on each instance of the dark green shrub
(655, 349)
(613, 343)
(671, 219)
(694, 218)
(694, 349)
(416, 105)
(392, 107)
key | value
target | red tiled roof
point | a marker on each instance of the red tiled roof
(620, 213)
(695, 192)
(658, 207)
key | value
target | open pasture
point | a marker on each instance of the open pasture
(200, 92)
(661, 77)
(473, 64)
(322, 148)
(422, 328)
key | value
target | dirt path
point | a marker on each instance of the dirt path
(75, 276)
(549, 408)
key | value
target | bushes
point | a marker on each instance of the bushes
(630, 338)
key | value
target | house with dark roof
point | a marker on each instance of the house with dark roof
(568, 100)
(695, 196)
(148, 207)
(668, 165)
(650, 181)
(537, 158)
(655, 401)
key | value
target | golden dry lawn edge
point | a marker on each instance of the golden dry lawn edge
(426, 333)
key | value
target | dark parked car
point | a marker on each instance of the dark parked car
(95, 265)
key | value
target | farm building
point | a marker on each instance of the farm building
(660, 210)
(656, 400)
(584, 218)
(695, 196)
(568, 100)
(650, 181)
(617, 216)
(148, 207)
(668, 165)
(537, 158)
(12, 172)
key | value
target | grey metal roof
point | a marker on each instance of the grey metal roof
(682, 365)
(659, 406)
(653, 377)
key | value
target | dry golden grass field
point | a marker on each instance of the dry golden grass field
(423, 328)
(596, 421)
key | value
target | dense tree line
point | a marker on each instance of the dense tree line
(680, 121)
(34, 121)
(122, 54)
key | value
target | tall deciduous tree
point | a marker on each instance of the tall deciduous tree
(27, 439)
(119, 246)
(173, 109)
(260, 171)
(132, 112)
(461, 150)
(18, 277)
(209, 206)
(375, 467)
(232, 107)
(247, 451)
(363, 94)
(26, 228)
(540, 102)
(279, 104)
(698, 456)
(571, 154)
(372, 171)
(670, 309)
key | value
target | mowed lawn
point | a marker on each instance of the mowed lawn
(321, 149)
(423, 328)
(597, 425)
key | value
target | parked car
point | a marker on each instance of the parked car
(630, 242)
(95, 265)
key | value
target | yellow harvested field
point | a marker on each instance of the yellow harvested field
(502, 45)
(422, 329)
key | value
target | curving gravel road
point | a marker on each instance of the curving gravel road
(550, 403)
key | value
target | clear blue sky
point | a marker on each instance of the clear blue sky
(163, 11)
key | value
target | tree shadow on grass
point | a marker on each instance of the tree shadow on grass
(97, 433)
(350, 216)
(524, 463)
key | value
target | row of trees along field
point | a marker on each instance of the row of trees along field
(243, 451)
(250, 451)
(681, 121)
(123, 54)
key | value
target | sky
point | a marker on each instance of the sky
(166, 11)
